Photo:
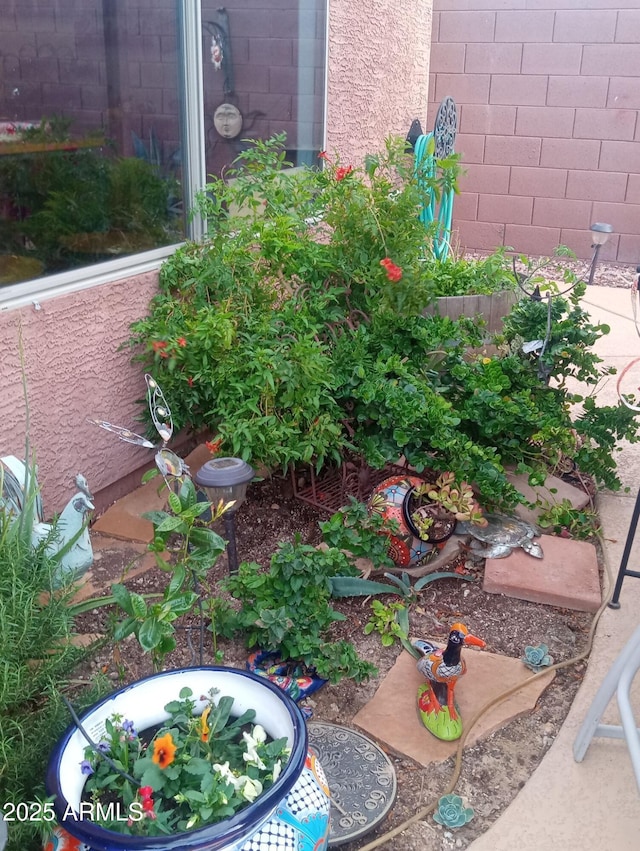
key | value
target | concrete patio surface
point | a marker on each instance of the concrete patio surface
(594, 804)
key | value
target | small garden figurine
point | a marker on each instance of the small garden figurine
(443, 668)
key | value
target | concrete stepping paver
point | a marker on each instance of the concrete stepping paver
(567, 576)
(93, 584)
(391, 716)
(553, 491)
(124, 521)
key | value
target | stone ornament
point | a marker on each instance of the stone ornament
(227, 119)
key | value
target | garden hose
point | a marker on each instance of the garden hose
(455, 776)
(425, 168)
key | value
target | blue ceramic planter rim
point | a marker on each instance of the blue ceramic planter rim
(210, 837)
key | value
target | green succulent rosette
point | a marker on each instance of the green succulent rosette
(452, 812)
(537, 658)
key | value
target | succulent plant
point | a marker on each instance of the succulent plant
(537, 658)
(452, 812)
(456, 498)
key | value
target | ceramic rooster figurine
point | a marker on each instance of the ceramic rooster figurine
(443, 668)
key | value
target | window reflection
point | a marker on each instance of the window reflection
(90, 111)
(89, 134)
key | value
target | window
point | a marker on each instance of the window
(112, 113)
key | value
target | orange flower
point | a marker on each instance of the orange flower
(343, 171)
(394, 273)
(204, 729)
(214, 445)
(164, 751)
(181, 341)
(159, 345)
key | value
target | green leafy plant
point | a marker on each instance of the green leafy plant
(563, 519)
(355, 586)
(460, 276)
(384, 621)
(443, 501)
(197, 769)
(297, 332)
(37, 659)
(287, 609)
(197, 549)
(360, 533)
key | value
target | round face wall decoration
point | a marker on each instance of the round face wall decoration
(227, 119)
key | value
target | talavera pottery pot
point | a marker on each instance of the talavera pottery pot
(293, 813)
(392, 498)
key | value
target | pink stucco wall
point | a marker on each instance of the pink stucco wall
(73, 370)
(378, 72)
(378, 75)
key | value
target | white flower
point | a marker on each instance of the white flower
(277, 768)
(259, 734)
(251, 788)
(252, 756)
(225, 773)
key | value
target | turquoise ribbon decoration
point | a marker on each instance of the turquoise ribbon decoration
(425, 169)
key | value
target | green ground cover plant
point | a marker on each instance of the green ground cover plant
(458, 276)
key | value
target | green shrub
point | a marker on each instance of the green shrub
(297, 332)
(36, 661)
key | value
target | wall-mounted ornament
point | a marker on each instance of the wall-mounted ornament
(217, 53)
(227, 119)
(220, 47)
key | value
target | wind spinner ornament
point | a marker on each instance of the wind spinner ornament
(167, 462)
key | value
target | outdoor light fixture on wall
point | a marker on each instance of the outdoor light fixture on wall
(226, 479)
(600, 233)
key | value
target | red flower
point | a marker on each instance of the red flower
(146, 791)
(181, 341)
(147, 804)
(343, 171)
(394, 273)
(190, 381)
(159, 345)
(164, 354)
(323, 155)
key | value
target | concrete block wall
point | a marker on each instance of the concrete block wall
(548, 97)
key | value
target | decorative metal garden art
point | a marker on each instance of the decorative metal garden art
(173, 469)
(167, 462)
(443, 667)
(428, 148)
(70, 544)
(501, 535)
